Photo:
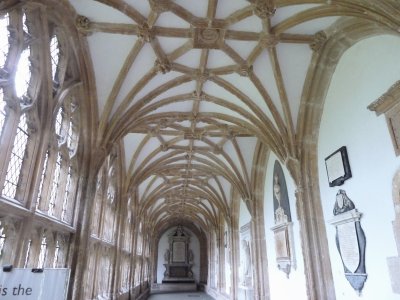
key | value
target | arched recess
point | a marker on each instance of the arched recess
(199, 233)
(314, 240)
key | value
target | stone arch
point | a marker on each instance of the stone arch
(314, 241)
(201, 236)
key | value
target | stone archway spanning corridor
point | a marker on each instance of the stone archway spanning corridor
(122, 119)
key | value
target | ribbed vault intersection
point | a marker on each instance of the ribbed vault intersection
(188, 89)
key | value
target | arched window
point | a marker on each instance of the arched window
(40, 94)
(58, 183)
(16, 94)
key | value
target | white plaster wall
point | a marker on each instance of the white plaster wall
(163, 245)
(281, 287)
(364, 73)
(244, 214)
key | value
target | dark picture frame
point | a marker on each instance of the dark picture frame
(338, 167)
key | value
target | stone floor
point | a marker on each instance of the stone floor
(181, 296)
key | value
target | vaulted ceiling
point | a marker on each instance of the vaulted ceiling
(189, 87)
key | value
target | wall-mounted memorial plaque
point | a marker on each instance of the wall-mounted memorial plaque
(283, 232)
(350, 240)
(178, 258)
(338, 167)
(179, 251)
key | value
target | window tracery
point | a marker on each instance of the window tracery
(40, 91)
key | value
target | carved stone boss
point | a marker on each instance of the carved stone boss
(350, 240)
(283, 229)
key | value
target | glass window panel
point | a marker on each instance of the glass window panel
(66, 195)
(55, 55)
(43, 253)
(24, 24)
(28, 252)
(59, 119)
(56, 254)
(23, 74)
(2, 111)
(55, 184)
(2, 238)
(4, 44)
(17, 158)
(42, 177)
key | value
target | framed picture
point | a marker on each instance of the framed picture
(338, 167)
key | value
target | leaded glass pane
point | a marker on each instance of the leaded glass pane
(17, 157)
(55, 185)
(27, 254)
(2, 111)
(55, 55)
(66, 195)
(23, 74)
(56, 254)
(24, 24)
(4, 44)
(59, 119)
(42, 177)
(43, 253)
(2, 238)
